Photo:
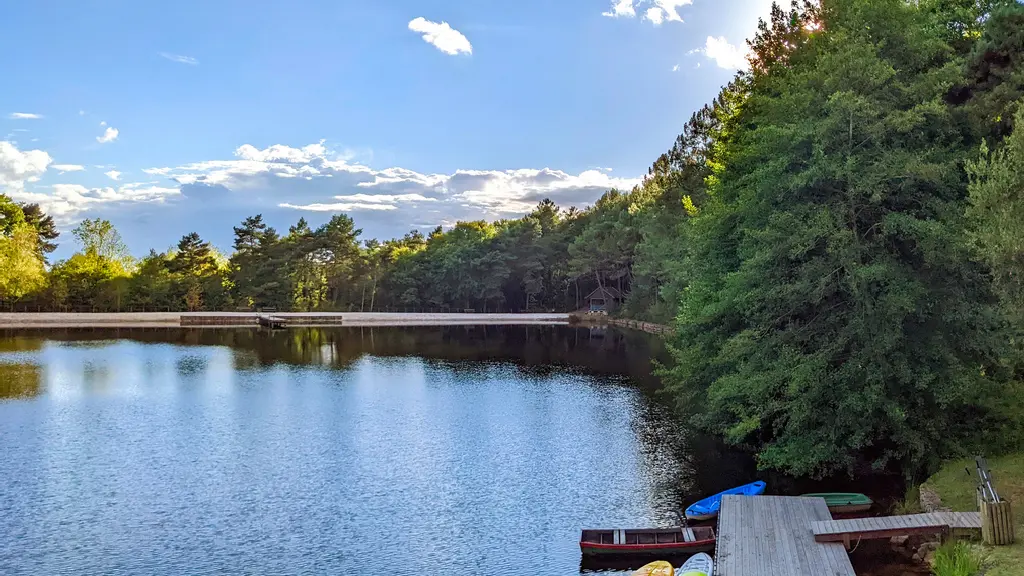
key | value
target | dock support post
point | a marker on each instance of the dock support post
(997, 523)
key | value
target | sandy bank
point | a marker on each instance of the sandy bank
(173, 319)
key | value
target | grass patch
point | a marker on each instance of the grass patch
(957, 558)
(956, 488)
(911, 503)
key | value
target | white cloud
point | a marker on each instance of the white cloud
(442, 36)
(66, 201)
(675, 68)
(661, 11)
(505, 192)
(17, 167)
(279, 153)
(724, 54)
(24, 116)
(81, 112)
(621, 8)
(655, 16)
(103, 122)
(179, 58)
(312, 178)
(385, 198)
(109, 135)
(670, 8)
(340, 207)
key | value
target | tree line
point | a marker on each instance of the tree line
(545, 261)
(838, 240)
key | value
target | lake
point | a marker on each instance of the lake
(441, 451)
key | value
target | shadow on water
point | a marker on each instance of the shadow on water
(538, 348)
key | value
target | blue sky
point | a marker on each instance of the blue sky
(169, 118)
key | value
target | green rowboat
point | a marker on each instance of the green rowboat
(844, 502)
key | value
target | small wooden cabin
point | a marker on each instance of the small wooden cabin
(604, 300)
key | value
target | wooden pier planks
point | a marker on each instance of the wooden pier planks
(771, 536)
(889, 526)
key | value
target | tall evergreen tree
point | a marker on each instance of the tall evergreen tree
(840, 319)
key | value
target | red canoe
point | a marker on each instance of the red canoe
(665, 541)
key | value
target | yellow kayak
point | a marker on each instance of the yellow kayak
(659, 568)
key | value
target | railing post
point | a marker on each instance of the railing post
(997, 523)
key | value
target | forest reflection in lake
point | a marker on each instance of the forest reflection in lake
(323, 450)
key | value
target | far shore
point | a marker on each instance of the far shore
(173, 319)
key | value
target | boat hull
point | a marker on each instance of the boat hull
(699, 565)
(701, 517)
(844, 502)
(663, 542)
(849, 509)
(708, 508)
(659, 568)
(674, 549)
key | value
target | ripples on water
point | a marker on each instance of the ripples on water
(430, 451)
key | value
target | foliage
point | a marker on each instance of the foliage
(98, 238)
(957, 558)
(21, 259)
(996, 211)
(834, 316)
(45, 227)
(21, 266)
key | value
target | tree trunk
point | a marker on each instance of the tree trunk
(373, 293)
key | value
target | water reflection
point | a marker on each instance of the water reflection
(317, 451)
(539, 348)
(19, 381)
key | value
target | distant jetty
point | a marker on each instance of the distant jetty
(252, 319)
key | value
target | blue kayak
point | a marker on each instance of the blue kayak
(707, 508)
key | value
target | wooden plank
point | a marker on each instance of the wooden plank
(801, 544)
(772, 536)
(785, 547)
(883, 527)
(965, 520)
(880, 533)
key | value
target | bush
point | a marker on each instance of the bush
(957, 558)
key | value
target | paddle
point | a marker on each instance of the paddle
(987, 490)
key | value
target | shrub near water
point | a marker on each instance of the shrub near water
(957, 559)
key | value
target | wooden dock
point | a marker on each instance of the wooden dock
(771, 536)
(848, 531)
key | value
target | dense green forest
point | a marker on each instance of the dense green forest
(838, 240)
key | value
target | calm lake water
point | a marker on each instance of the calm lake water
(441, 451)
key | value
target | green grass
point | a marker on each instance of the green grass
(956, 488)
(957, 558)
(911, 503)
